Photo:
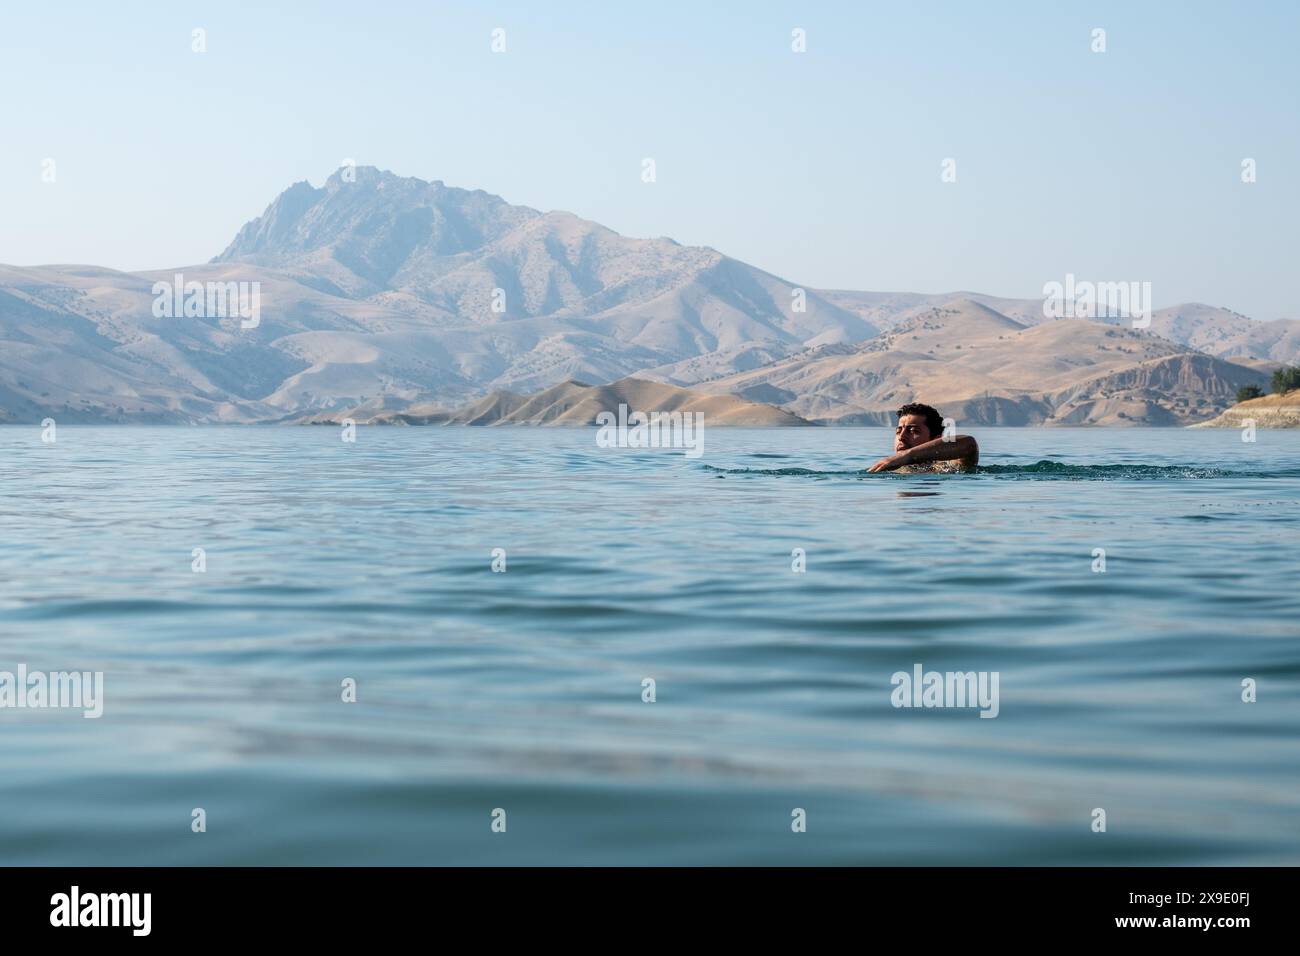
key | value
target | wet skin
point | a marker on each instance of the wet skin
(914, 446)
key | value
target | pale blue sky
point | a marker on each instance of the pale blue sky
(822, 167)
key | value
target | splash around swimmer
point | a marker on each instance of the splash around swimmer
(922, 444)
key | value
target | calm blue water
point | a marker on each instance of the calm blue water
(523, 690)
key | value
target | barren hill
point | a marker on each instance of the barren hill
(978, 365)
(577, 403)
(1268, 411)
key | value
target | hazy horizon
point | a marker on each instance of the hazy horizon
(821, 167)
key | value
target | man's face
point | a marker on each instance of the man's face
(911, 431)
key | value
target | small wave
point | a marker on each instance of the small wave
(788, 471)
(1056, 469)
(1039, 470)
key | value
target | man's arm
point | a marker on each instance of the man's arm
(963, 448)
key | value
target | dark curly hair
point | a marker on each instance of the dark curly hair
(933, 420)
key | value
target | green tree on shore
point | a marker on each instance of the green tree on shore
(1285, 379)
(1247, 392)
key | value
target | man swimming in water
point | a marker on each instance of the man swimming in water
(919, 445)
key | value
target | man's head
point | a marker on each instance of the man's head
(917, 424)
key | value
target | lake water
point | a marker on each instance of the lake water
(523, 690)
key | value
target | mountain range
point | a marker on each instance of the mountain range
(385, 292)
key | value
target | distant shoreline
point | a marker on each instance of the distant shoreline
(76, 423)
